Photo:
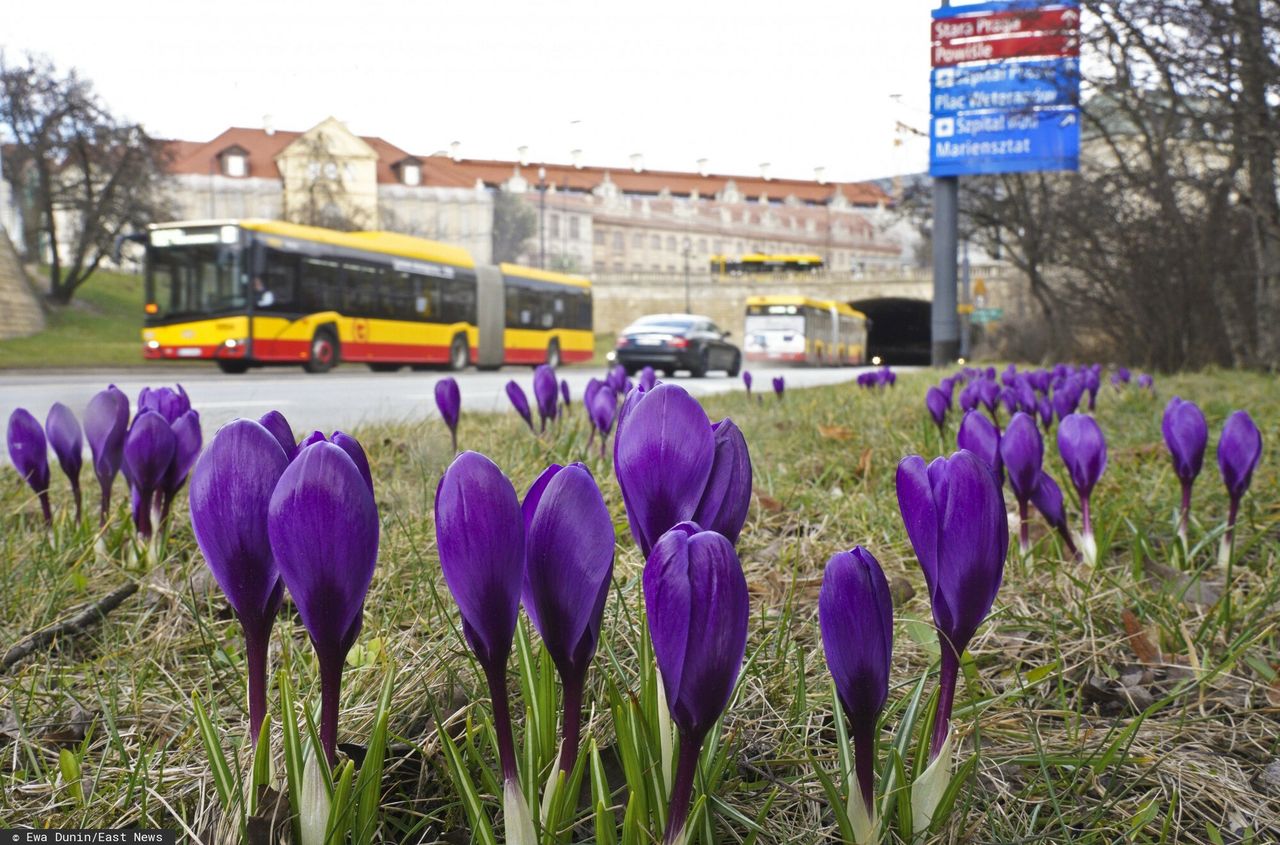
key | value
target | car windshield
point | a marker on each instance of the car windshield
(664, 323)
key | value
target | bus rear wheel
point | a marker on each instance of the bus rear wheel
(553, 354)
(385, 368)
(324, 352)
(234, 368)
(459, 355)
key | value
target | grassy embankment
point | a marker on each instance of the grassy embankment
(1130, 702)
(100, 328)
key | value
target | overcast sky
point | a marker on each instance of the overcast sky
(797, 84)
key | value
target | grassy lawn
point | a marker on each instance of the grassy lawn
(100, 328)
(1137, 701)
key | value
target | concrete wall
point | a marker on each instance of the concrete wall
(20, 311)
(620, 298)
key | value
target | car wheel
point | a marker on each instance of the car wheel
(700, 366)
(385, 368)
(736, 366)
(324, 352)
(459, 355)
(553, 354)
(234, 368)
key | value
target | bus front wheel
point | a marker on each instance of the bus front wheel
(459, 356)
(324, 352)
(234, 368)
(553, 354)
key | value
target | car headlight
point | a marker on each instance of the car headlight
(611, 356)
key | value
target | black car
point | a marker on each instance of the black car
(670, 342)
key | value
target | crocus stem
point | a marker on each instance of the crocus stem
(1084, 517)
(947, 675)
(255, 650)
(1024, 536)
(453, 433)
(106, 505)
(572, 724)
(142, 516)
(682, 789)
(44, 507)
(497, 678)
(1228, 539)
(864, 761)
(330, 687)
(1186, 512)
(1065, 533)
(75, 492)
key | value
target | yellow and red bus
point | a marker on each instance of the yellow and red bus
(800, 330)
(245, 293)
(756, 263)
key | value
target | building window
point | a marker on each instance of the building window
(655, 268)
(718, 246)
(671, 268)
(235, 165)
(637, 240)
(411, 174)
(599, 266)
(617, 267)
(598, 237)
(617, 241)
(555, 225)
(702, 245)
(574, 230)
(671, 243)
(655, 242)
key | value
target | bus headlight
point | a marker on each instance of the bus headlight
(232, 343)
(153, 344)
(876, 360)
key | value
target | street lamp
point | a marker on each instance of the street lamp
(688, 305)
(542, 218)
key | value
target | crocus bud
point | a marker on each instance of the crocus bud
(727, 496)
(275, 422)
(545, 389)
(231, 487)
(695, 595)
(481, 540)
(648, 378)
(564, 392)
(954, 516)
(1084, 451)
(449, 402)
(1022, 451)
(169, 403)
(322, 522)
(148, 452)
(187, 441)
(106, 422)
(1044, 409)
(1047, 498)
(936, 401)
(778, 386)
(569, 545)
(1185, 434)
(1239, 451)
(855, 613)
(63, 430)
(980, 436)
(29, 451)
(520, 402)
(746, 380)
(617, 379)
(662, 456)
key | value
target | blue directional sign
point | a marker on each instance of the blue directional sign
(973, 142)
(1044, 83)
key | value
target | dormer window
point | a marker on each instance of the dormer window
(235, 162)
(411, 174)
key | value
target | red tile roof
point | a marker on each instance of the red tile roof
(263, 147)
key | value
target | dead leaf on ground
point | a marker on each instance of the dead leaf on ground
(1273, 693)
(1141, 644)
(836, 432)
(268, 825)
(864, 463)
(901, 590)
(1193, 591)
(769, 503)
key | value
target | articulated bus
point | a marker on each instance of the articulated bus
(757, 264)
(799, 330)
(245, 293)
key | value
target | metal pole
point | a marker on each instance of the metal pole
(688, 302)
(542, 218)
(945, 322)
(967, 298)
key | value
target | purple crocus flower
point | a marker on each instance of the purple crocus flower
(589, 391)
(1092, 381)
(481, 539)
(520, 402)
(1146, 382)
(1047, 497)
(63, 430)
(855, 613)
(936, 401)
(648, 378)
(603, 408)
(1239, 451)
(696, 598)
(449, 402)
(1186, 434)
(231, 487)
(106, 423)
(323, 527)
(989, 396)
(187, 441)
(168, 402)
(1045, 411)
(980, 436)
(1084, 451)
(275, 422)
(779, 385)
(1022, 452)
(545, 393)
(955, 518)
(1120, 376)
(947, 386)
(564, 392)
(569, 544)
(970, 395)
(29, 451)
(746, 380)
(148, 451)
(346, 443)
(617, 379)
(672, 464)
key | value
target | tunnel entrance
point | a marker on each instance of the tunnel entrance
(899, 330)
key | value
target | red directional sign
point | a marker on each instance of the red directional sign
(1005, 48)
(1060, 21)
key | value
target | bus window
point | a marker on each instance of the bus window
(275, 289)
(362, 295)
(458, 299)
(320, 286)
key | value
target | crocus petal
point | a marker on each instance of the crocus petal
(323, 526)
(64, 435)
(937, 403)
(1083, 450)
(106, 421)
(187, 441)
(855, 614)
(520, 402)
(1047, 497)
(480, 537)
(231, 487)
(449, 401)
(1239, 451)
(28, 449)
(979, 435)
(919, 514)
(1022, 453)
(569, 561)
(355, 451)
(274, 422)
(663, 454)
(1186, 434)
(544, 392)
(148, 450)
(727, 497)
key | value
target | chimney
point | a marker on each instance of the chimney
(576, 157)
(455, 150)
(819, 173)
(702, 167)
(764, 170)
(523, 154)
(267, 125)
(637, 162)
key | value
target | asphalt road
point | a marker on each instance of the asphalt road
(341, 399)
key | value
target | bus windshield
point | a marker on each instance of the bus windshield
(193, 280)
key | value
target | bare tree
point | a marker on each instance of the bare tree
(324, 194)
(513, 224)
(83, 176)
